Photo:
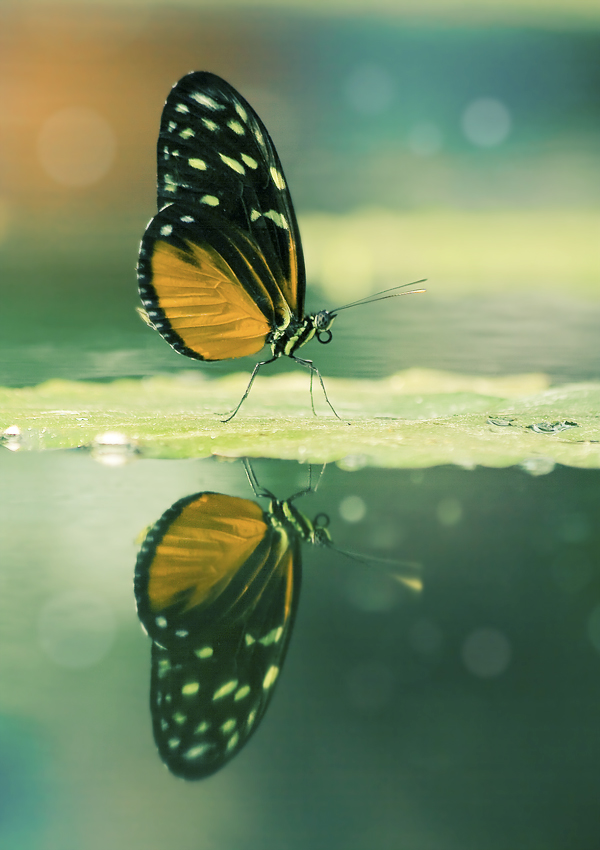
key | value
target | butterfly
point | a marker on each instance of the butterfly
(221, 270)
(217, 583)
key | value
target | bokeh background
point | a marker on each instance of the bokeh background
(456, 141)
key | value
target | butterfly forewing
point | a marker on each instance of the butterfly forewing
(214, 153)
(216, 588)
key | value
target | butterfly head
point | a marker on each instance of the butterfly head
(322, 323)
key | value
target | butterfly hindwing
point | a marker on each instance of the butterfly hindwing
(214, 154)
(216, 587)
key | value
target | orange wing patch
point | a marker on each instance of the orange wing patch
(203, 549)
(205, 303)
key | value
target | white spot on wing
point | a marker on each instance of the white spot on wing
(225, 689)
(186, 218)
(166, 230)
(277, 178)
(171, 126)
(279, 219)
(233, 164)
(211, 200)
(187, 133)
(250, 161)
(198, 163)
(241, 111)
(181, 107)
(270, 677)
(236, 127)
(210, 125)
(205, 100)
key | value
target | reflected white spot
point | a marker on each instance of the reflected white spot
(352, 509)
(270, 677)
(179, 718)
(174, 743)
(76, 628)
(228, 726)
(486, 122)
(251, 718)
(190, 688)
(369, 89)
(232, 742)
(225, 689)
(449, 512)
(201, 728)
(242, 693)
(486, 653)
(204, 651)
(425, 139)
(76, 146)
(181, 633)
(272, 637)
(197, 751)
(161, 622)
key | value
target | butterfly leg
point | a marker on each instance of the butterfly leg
(249, 387)
(314, 371)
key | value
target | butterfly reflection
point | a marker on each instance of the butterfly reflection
(217, 582)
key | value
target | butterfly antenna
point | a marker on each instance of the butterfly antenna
(381, 296)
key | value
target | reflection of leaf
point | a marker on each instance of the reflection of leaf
(413, 419)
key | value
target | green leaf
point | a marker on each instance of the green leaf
(417, 418)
